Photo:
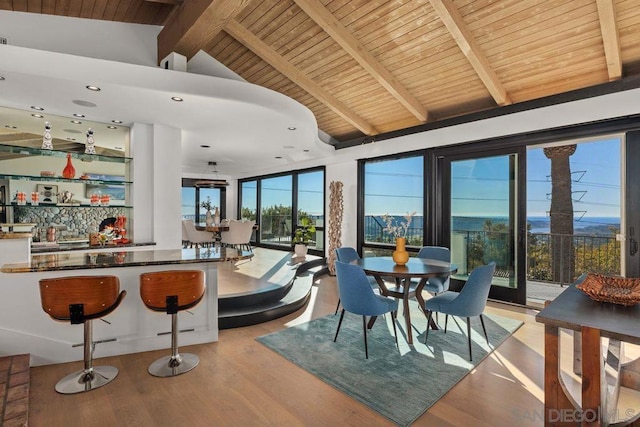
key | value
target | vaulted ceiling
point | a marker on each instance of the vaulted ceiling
(366, 67)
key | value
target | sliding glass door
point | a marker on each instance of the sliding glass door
(484, 219)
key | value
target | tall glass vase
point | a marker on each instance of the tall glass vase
(69, 171)
(208, 219)
(400, 255)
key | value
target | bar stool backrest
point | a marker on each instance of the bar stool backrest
(99, 295)
(188, 285)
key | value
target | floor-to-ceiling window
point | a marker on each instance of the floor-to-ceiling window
(393, 203)
(193, 196)
(495, 200)
(276, 198)
(590, 172)
(279, 202)
(310, 202)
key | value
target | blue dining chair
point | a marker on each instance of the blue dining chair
(357, 297)
(470, 301)
(347, 254)
(436, 285)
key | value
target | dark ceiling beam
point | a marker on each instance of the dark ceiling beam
(194, 24)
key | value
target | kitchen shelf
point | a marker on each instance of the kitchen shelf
(29, 151)
(51, 205)
(61, 179)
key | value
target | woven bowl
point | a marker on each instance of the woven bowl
(613, 289)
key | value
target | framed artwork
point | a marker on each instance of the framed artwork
(48, 193)
(115, 191)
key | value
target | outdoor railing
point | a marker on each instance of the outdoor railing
(587, 253)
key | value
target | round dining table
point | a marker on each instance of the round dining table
(416, 268)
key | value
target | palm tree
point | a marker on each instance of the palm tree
(561, 213)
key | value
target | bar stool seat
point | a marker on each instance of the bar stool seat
(170, 292)
(81, 299)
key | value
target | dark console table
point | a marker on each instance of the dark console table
(594, 320)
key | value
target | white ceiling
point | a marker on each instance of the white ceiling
(245, 125)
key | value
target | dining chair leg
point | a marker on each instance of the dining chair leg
(483, 328)
(339, 323)
(446, 319)
(364, 332)
(469, 337)
(394, 315)
(426, 334)
(337, 307)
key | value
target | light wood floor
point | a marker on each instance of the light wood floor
(239, 382)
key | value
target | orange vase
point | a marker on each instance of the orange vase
(400, 255)
(69, 171)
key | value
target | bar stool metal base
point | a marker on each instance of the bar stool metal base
(170, 366)
(86, 379)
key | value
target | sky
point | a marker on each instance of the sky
(480, 187)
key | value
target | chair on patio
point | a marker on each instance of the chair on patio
(195, 236)
(358, 298)
(471, 301)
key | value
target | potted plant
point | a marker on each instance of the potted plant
(305, 232)
(206, 204)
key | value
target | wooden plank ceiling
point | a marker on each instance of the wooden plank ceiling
(370, 66)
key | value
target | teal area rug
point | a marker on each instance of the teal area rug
(400, 384)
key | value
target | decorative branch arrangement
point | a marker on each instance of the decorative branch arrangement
(336, 209)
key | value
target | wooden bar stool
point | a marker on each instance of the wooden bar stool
(172, 291)
(80, 299)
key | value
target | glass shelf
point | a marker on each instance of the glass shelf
(50, 205)
(61, 179)
(29, 151)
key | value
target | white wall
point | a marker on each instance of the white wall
(114, 41)
(167, 187)
(141, 192)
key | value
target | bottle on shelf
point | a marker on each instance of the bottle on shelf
(69, 171)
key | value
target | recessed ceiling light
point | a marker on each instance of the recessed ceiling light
(177, 99)
(118, 148)
(11, 127)
(70, 139)
(76, 122)
(78, 115)
(277, 157)
(1, 78)
(205, 146)
(291, 128)
(306, 151)
(37, 116)
(34, 107)
(116, 121)
(112, 127)
(72, 131)
(93, 88)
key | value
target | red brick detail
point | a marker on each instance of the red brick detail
(14, 390)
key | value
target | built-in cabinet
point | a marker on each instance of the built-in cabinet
(32, 170)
